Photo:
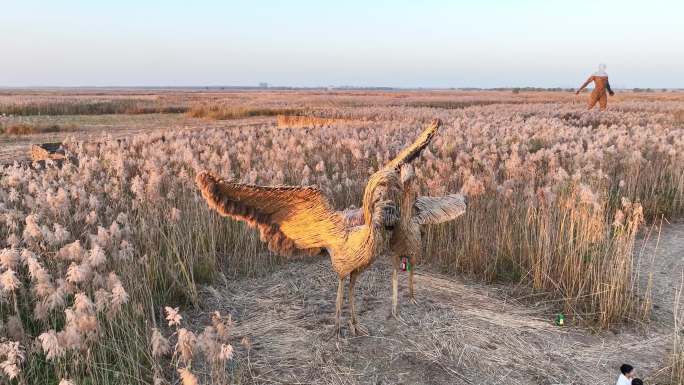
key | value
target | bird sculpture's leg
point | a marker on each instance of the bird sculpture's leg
(338, 305)
(412, 297)
(396, 260)
(395, 285)
(354, 323)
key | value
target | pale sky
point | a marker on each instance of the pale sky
(486, 43)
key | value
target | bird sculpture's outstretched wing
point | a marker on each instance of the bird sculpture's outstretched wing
(411, 152)
(290, 219)
(434, 210)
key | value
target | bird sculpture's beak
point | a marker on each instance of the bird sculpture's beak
(406, 173)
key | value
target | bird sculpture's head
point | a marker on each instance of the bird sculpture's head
(381, 199)
(407, 173)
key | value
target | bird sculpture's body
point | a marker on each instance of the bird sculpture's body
(294, 219)
(406, 240)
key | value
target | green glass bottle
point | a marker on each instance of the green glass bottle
(560, 319)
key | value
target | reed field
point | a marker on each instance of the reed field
(113, 269)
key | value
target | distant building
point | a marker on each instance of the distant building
(263, 85)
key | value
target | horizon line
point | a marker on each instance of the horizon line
(332, 88)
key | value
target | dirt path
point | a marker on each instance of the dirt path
(460, 332)
(662, 252)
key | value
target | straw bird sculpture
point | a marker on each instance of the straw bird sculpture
(415, 211)
(297, 219)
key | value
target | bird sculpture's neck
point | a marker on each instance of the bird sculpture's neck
(358, 249)
(407, 200)
(363, 243)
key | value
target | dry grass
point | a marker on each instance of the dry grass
(302, 121)
(28, 128)
(458, 104)
(19, 129)
(679, 117)
(223, 112)
(89, 107)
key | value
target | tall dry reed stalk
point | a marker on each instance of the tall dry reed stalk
(677, 358)
(563, 246)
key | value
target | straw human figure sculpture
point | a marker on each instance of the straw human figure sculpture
(300, 219)
(601, 89)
